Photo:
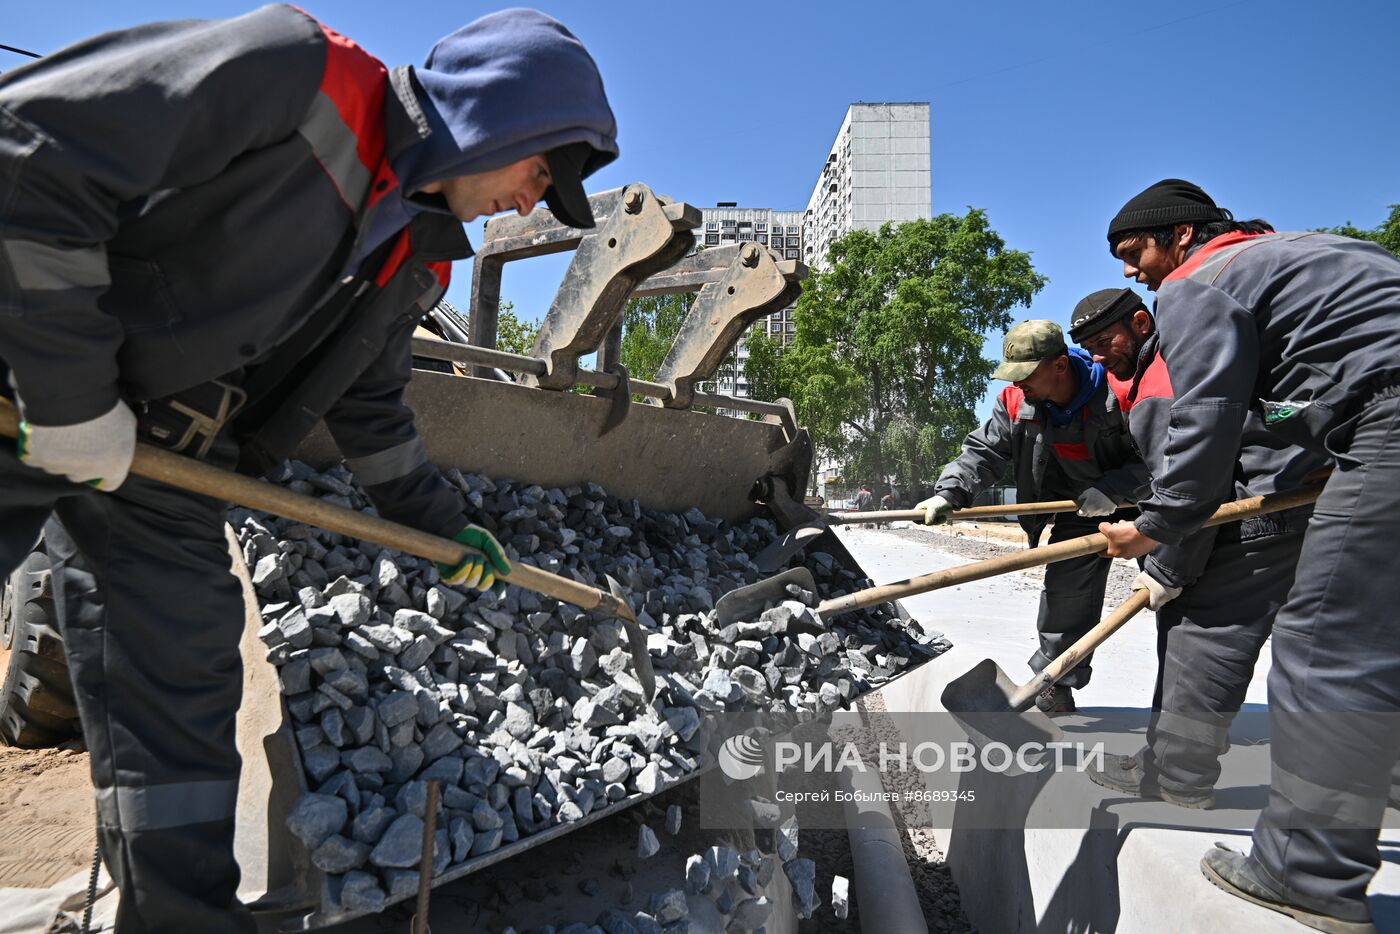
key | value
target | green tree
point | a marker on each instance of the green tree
(886, 366)
(512, 334)
(649, 328)
(1387, 234)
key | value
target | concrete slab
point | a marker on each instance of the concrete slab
(1125, 865)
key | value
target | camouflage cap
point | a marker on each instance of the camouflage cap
(1025, 346)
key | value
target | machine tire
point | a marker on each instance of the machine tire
(36, 699)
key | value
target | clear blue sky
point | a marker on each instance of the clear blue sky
(1046, 114)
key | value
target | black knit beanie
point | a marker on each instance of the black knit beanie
(1170, 201)
(1098, 310)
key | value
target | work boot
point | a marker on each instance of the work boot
(1125, 775)
(1233, 872)
(1056, 699)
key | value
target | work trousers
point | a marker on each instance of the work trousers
(151, 619)
(1334, 691)
(1071, 602)
(1208, 640)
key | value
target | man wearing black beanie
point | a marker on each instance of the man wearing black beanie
(1303, 328)
(1215, 594)
(1152, 233)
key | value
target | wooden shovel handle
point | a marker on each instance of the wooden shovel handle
(1046, 554)
(156, 464)
(972, 512)
(1072, 656)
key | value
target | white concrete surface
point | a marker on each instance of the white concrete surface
(1139, 874)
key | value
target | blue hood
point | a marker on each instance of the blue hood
(508, 86)
(1090, 376)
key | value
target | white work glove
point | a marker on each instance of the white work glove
(936, 510)
(97, 452)
(1159, 594)
(1094, 502)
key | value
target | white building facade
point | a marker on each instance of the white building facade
(877, 171)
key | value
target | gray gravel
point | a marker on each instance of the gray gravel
(524, 709)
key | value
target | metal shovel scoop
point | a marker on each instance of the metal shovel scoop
(994, 709)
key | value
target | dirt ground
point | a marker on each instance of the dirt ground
(47, 830)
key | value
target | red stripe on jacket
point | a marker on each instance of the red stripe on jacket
(1156, 383)
(1209, 247)
(1011, 399)
(392, 262)
(403, 248)
(356, 83)
(1073, 451)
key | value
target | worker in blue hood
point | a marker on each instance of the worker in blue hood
(518, 115)
(217, 235)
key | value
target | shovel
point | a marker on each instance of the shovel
(156, 464)
(983, 696)
(795, 539)
(985, 688)
(1045, 554)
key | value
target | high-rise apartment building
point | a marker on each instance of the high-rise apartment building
(877, 171)
(780, 231)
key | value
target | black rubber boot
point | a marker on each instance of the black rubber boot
(1232, 872)
(1125, 775)
(1056, 699)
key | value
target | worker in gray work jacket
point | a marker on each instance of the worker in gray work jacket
(1304, 329)
(216, 234)
(1215, 595)
(1060, 428)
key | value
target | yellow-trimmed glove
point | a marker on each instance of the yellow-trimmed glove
(936, 510)
(484, 571)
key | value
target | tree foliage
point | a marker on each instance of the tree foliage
(1387, 234)
(649, 328)
(512, 334)
(886, 365)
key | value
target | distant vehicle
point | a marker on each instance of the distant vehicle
(999, 495)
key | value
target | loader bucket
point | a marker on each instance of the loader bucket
(669, 457)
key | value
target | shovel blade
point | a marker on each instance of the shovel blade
(781, 551)
(981, 701)
(636, 643)
(748, 602)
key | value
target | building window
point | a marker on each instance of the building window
(712, 225)
(792, 254)
(728, 223)
(762, 238)
(711, 239)
(745, 235)
(760, 226)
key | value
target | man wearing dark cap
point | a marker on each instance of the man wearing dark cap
(1215, 594)
(1060, 428)
(215, 235)
(1303, 328)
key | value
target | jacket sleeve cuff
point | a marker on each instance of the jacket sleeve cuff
(55, 411)
(1150, 525)
(955, 495)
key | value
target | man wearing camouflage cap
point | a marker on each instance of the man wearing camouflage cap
(1215, 594)
(1061, 429)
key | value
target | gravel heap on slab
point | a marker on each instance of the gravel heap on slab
(524, 709)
